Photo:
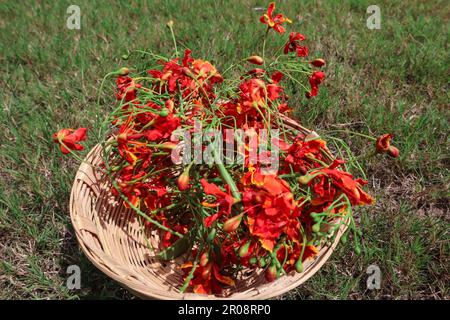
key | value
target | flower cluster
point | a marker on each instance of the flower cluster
(225, 217)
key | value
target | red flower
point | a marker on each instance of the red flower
(273, 89)
(253, 94)
(126, 88)
(68, 139)
(274, 22)
(207, 279)
(284, 108)
(170, 238)
(224, 201)
(315, 80)
(193, 78)
(329, 182)
(301, 152)
(131, 191)
(383, 145)
(293, 45)
(204, 70)
(162, 127)
(131, 149)
(270, 207)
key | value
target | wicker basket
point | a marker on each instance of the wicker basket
(114, 240)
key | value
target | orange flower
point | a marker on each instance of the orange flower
(329, 182)
(204, 70)
(270, 207)
(274, 22)
(383, 145)
(68, 139)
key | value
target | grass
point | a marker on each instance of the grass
(390, 80)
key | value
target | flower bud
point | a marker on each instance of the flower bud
(124, 71)
(204, 259)
(206, 274)
(168, 145)
(122, 138)
(299, 265)
(244, 250)
(164, 112)
(257, 72)
(255, 60)
(169, 24)
(233, 223)
(316, 227)
(271, 273)
(262, 262)
(183, 181)
(393, 152)
(188, 72)
(318, 62)
(169, 105)
(305, 179)
(212, 235)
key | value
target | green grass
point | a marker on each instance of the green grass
(389, 80)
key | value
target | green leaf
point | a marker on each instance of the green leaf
(177, 249)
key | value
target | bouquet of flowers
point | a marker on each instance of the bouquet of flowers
(212, 161)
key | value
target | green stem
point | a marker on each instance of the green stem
(174, 40)
(264, 47)
(101, 86)
(226, 176)
(77, 157)
(191, 273)
(138, 211)
(355, 133)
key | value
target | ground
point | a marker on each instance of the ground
(394, 79)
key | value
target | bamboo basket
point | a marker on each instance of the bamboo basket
(114, 240)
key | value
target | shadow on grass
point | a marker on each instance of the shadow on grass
(95, 285)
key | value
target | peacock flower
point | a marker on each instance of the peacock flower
(68, 139)
(274, 22)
